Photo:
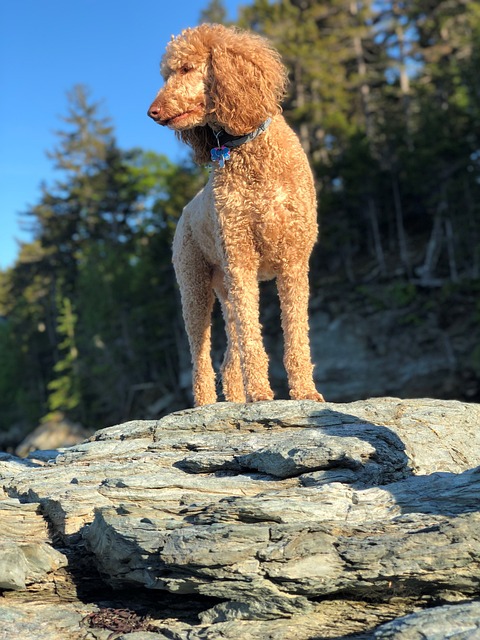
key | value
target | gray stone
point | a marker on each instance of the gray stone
(281, 519)
(456, 622)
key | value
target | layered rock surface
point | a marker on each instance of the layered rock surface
(272, 520)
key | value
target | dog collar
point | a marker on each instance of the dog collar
(227, 141)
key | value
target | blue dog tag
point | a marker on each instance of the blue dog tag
(220, 155)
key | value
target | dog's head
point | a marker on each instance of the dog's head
(219, 76)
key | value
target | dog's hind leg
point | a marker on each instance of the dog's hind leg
(194, 277)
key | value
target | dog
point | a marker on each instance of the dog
(256, 218)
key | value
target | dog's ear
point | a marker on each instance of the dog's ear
(248, 81)
(201, 140)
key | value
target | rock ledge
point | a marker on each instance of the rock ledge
(279, 520)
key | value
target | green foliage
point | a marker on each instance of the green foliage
(9, 375)
(401, 294)
(64, 390)
(91, 300)
(397, 294)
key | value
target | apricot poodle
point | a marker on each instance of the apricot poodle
(256, 217)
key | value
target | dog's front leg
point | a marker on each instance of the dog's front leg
(240, 267)
(243, 295)
(232, 376)
(292, 284)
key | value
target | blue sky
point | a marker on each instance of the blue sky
(46, 47)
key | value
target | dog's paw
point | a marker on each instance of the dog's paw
(260, 396)
(308, 395)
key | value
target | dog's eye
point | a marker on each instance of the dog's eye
(185, 69)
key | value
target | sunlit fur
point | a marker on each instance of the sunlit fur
(256, 217)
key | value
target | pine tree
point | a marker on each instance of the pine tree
(95, 231)
(85, 144)
(215, 13)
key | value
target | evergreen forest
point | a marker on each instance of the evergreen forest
(385, 96)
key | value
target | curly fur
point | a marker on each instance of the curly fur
(256, 217)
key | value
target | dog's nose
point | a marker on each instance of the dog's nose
(153, 112)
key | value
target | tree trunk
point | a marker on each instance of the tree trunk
(362, 72)
(450, 238)
(377, 238)
(473, 233)
(300, 96)
(402, 70)
(434, 246)
(401, 234)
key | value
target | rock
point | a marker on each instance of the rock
(56, 432)
(281, 519)
(25, 550)
(460, 621)
(368, 354)
(41, 621)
